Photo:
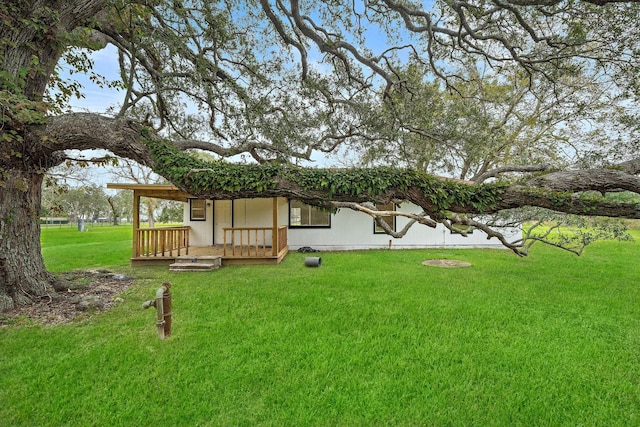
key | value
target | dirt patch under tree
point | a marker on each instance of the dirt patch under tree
(78, 294)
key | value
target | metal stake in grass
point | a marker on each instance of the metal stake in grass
(162, 303)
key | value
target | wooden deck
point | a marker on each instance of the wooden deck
(243, 255)
(245, 245)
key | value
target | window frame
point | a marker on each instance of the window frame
(328, 225)
(193, 217)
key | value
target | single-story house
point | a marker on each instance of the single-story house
(264, 230)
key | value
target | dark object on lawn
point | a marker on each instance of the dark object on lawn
(307, 249)
(313, 261)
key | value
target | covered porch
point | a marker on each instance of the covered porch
(237, 245)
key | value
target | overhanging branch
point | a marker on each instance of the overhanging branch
(509, 168)
(560, 191)
(378, 215)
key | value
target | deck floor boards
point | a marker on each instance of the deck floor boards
(243, 255)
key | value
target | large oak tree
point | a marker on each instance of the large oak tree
(275, 82)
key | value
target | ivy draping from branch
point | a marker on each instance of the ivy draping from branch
(318, 186)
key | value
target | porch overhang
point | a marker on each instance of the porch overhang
(158, 191)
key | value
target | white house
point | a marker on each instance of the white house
(264, 230)
(308, 226)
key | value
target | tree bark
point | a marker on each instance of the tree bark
(23, 276)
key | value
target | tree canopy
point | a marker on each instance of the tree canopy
(527, 103)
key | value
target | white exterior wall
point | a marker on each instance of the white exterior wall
(253, 213)
(201, 231)
(354, 230)
(244, 213)
(283, 212)
(349, 229)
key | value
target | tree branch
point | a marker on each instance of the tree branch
(509, 168)
(376, 214)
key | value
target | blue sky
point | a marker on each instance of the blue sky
(96, 99)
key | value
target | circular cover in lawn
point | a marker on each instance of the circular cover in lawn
(447, 263)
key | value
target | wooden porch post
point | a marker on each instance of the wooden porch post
(274, 239)
(136, 222)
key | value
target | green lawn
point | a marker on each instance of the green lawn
(65, 249)
(369, 338)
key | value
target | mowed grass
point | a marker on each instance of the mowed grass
(65, 248)
(370, 338)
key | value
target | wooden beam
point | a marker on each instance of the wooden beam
(136, 222)
(157, 191)
(274, 232)
(165, 195)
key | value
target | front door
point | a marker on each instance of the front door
(222, 218)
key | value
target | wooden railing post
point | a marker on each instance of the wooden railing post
(253, 236)
(136, 224)
(158, 241)
(274, 228)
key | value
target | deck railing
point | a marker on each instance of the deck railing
(162, 241)
(253, 241)
(282, 238)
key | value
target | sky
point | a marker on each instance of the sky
(97, 99)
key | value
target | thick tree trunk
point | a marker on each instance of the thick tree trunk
(23, 276)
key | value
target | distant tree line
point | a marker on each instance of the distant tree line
(91, 203)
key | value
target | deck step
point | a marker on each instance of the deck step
(192, 267)
(191, 263)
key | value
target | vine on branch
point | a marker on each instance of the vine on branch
(201, 177)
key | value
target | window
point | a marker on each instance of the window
(389, 219)
(303, 215)
(198, 208)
